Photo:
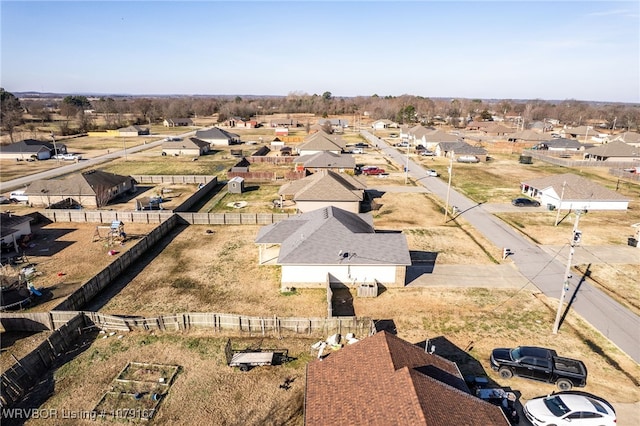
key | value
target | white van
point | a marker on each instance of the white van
(18, 196)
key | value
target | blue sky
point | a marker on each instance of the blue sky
(584, 50)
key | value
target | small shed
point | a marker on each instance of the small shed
(236, 185)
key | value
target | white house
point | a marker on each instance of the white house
(573, 192)
(331, 245)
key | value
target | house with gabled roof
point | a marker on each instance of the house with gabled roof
(217, 136)
(383, 380)
(320, 142)
(31, 148)
(572, 192)
(176, 122)
(134, 130)
(561, 144)
(497, 129)
(384, 124)
(458, 149)
(325, 160)
(90, 189)
(631, 138)
(528, 136)
(613, 151)
(325, 188)
(335, 246)
(192, 147)
(430, 138)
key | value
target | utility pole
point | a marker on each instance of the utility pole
(561, 198)
(124, 145)
(450, 169)
(575, 239)
(55, 149)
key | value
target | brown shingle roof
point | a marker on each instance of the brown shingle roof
(384, 380)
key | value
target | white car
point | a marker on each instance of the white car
(567, 408)
(72, 157)
(432, 172)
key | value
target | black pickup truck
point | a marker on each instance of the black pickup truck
(539, 364)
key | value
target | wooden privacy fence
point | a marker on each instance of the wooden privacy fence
(105, 216)
(219, 322)
(232, 218)
(28, 371)
(174, 179)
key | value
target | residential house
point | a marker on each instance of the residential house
(478, 125)
(281, 131)
(496, 129)
(321, 141)
(240, 122)
(337, 124)
(325, 160)
(90, 189)
(460, 149)
(541, 126)
(613, 151)
(384, 380)
(335, 246)
(134, 130)
(325, 188)
(561, 145)
(631, 138)
(384, 124)
(193, 147)
(572, 192)
(429, 138)
(177, 122)
(31, 149)
(582, 132)
(284, 122)
(218, 137)
(528, 136)
(12, 229)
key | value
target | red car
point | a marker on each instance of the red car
(372, 170)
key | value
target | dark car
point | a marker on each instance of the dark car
(537, 363)
(525, 202)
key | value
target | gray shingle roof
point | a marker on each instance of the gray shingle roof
(615, 149)
(216, 133)
(322, 141)
(317, 236)
(327, 159)
(462, 148)
(576, 188)
(325, 185)
(85, 183)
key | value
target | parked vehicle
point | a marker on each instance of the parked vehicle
(18, 196)
(467, 159)
(372, 170)
(248, 358)
(427, 153)
(432, 172)
(539, 364)
(72, 157)
(402, 144)
(570, 408)
(525, 202)
(357, 151)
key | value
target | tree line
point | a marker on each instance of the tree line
(122, 111)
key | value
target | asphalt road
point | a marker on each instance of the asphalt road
(540, 267)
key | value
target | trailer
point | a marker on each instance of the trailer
(246, 359)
